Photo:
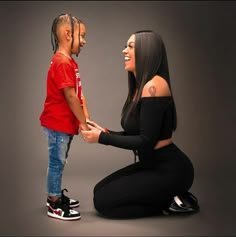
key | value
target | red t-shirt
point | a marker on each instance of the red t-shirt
(57, 115)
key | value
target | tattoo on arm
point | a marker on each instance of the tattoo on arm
(152, 90)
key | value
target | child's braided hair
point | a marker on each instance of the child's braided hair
(63, 18)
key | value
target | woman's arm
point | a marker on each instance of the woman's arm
(94, 124)
(120, 133)
(151, 115)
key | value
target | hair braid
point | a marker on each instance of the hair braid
(63, 17)
(54, 39)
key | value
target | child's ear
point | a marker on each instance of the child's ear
(68, 34)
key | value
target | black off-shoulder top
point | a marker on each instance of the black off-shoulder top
(151, 121)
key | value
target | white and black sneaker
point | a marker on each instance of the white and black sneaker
(62, 211)
(69, 201)
(185, 203)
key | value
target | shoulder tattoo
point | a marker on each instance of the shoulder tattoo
(152, 90)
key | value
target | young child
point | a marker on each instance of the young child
(65, 110)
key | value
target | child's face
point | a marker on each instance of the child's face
(79, 41)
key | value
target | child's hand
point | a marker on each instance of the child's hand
(83, 126)
(91, 135)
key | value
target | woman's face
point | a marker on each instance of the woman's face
(129, 53)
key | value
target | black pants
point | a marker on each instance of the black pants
(136, 191)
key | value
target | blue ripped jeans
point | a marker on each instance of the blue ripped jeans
(58, 148)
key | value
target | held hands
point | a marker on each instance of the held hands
(92, 123)
(92, 134)
(83, 126)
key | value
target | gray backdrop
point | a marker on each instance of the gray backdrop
(200, 39)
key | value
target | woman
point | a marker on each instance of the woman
(163, 171)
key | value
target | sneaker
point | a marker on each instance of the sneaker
(69, 201)
(62, 211)
(185, 203)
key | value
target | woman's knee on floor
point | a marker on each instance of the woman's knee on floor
(101, 201)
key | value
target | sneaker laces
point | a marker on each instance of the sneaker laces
(66, 207)
(62, 205)
(64, 198)
(65, 204)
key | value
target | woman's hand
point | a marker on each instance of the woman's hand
(92, 135)
(92, 123)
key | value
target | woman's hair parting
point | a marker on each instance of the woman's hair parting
(63, 18)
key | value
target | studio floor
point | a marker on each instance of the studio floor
(216, 217)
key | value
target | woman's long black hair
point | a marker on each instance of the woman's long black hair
(63, 18)
(150, 60)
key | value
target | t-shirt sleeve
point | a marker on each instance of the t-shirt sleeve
(65, 76)
(151, 116)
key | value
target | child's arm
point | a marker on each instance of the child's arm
(85, 108)
(75, 106)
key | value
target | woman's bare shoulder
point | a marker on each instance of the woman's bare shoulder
(157, 86)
